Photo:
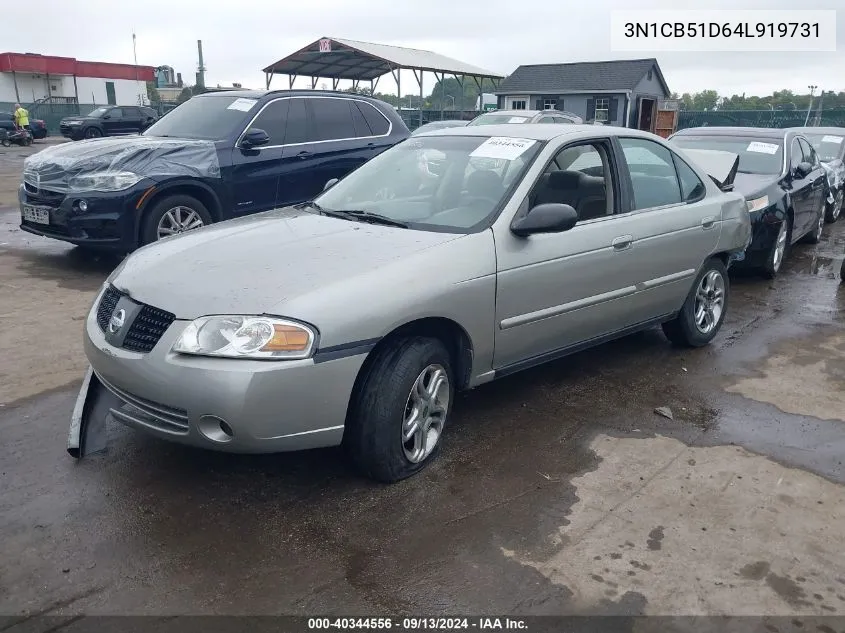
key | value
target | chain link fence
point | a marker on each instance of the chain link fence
(761, 118)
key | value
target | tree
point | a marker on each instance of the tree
(186, 94)
(152, 93)
(705, 100)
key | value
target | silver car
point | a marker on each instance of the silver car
(499, 117)
(355, 318)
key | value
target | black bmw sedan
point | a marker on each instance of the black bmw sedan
(782, 180)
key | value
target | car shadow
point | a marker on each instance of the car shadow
(75, 269)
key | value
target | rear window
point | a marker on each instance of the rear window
(207, 118)
(756, 155)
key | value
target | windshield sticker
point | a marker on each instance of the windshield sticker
(763, 148)
(516, 119)
(832, 139)
(502, 147)
(244, 105)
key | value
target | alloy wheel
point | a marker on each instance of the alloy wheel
(819, 226)
(178, 220)
(425, 413)
(837, 205)
(709, 301)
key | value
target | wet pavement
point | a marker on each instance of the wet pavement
(558, 490)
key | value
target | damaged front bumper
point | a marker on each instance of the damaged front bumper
(87, 433)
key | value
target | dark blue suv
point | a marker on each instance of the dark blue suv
(217, 156)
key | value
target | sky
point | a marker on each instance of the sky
(239, 39)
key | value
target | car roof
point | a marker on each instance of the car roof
(258, 94)
(539, 131)
(514, 112)
(755, 132)
(839, 131)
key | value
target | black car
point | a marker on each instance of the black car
(37, 127)
(829, 143)
(108, 121)
(217, 156)
(782, 180)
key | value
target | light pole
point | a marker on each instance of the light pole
(453, 100)
(810, 107)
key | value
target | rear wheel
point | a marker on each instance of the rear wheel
(815, 234)
(779, 248)
(834, 209)
(704, 310)
(399, 411)
(92, 132)
(174, 215)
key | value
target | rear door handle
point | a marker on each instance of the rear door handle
(622, 242)
(303, 155)
(708, 223)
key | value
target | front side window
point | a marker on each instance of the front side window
(797, 156)
(602, 109)
(436, 183)
(116, 113)
(272, 120)
(653, 176)
(580, 176)
(828, 147)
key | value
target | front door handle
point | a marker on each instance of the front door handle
(622, 242)
(708, 222)
(303, 155)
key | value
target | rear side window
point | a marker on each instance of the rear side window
(116, 113)
(296, 129)
(362, 128)
(332, 119)
(692, 188)
(653, 175)
(379, 125)
(272, 120)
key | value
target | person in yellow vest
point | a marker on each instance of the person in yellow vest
(21, 117)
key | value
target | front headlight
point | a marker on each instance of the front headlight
(106, 181)
(255, 337)
(73, 122)
(757, 203)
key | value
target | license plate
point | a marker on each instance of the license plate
(36, 214)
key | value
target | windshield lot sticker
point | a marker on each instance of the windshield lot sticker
(244, 105)
(502, 147)
(516, 119)
(763, 148)
(832, 139)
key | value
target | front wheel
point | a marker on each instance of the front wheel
(704, 310)
(399, 411)
(92, 132)
(174, 215)
(815, 234)
(834, 209)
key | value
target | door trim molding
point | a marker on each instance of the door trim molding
(545, 313)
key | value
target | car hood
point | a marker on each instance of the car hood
(56, 167)
(255, 264)
(752, 185)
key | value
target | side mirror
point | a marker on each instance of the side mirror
(255, 137)
(545, 218)
(803, 169)
(106, 116)
(330, 183)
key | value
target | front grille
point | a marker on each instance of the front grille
(107, 306)
(149, 325)
(146, 412)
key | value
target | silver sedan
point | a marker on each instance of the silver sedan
(355, 318)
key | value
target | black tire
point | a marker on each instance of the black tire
(842, 273)
(833, 211)
(772, 267)
(149, 230)
(683, 330)
(374, 427)
(92, 132)
(815, 234)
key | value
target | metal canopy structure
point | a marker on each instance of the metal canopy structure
(335, 58)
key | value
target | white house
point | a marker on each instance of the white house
(26, 78)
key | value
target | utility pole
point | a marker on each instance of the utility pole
(810, 107)
(135, 57)
(200, 67)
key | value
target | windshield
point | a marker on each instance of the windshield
(438, 183)
(498, 119)
(827, 146)
(205, 118)
(756, 155)
(97, 113)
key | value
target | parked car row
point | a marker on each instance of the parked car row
(108, 121)
(37, 127)
(793, 181)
